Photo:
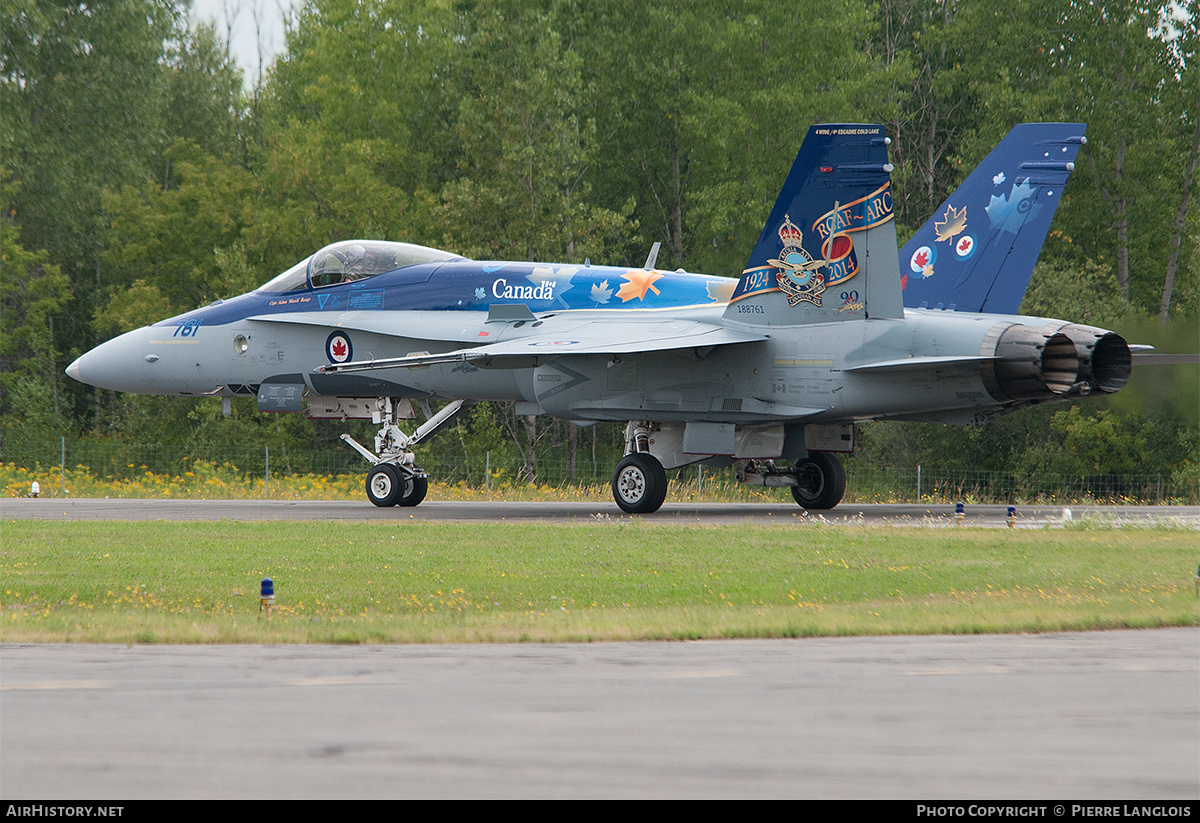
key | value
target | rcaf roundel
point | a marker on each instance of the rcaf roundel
(964, 247)
(338, 347)
(922, 259)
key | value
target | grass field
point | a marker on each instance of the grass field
(160, 582)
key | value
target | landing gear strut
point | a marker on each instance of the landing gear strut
(395, 479)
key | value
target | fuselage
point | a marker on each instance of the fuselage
(926, 365)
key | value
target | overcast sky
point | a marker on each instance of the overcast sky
(247, 33)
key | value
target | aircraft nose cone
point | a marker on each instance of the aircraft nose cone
(119, 364)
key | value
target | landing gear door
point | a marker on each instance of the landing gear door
(837, 437)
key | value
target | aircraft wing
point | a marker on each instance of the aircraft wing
(595, 336)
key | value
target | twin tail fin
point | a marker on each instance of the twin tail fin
(828, 251)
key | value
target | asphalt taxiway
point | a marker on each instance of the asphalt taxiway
(1036, 516)
(1086, 716)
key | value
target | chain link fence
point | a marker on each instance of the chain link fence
(123, 461)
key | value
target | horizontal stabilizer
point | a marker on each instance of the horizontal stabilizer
(1165, 359)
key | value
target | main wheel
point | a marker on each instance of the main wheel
(639, 483)
(383, 485)
(821, 481)
(414, 489)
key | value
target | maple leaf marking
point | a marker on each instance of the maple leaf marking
(601, 293)
(639, 282)
(953, 223)
(719, 291)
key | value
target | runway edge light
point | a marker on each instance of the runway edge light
(266, 596)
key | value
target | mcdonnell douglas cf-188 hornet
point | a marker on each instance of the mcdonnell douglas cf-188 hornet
(767, 374)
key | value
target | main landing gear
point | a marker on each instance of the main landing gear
(639, 482)
(820, 481)
(395, 479)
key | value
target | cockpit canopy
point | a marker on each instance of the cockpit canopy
(353, 260)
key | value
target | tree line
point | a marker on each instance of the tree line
(142, 176)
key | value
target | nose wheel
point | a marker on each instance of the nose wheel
(414, 491)
(383, 485)
(388, 485)
(395, 479)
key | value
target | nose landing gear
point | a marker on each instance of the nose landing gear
(395, 479)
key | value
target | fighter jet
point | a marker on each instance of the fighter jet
(767, 374)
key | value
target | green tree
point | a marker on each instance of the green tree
(1182, 34)
(166, 236)
(91, 96)
(32, 292)
(701, 109)
(521, 190)
(79, 102)
(1107, 64)
(1084, 293)
(203, 101)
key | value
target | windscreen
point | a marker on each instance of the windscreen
(352, 260)
(360, 259)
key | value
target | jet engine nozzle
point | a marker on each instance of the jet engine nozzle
(1104, 358)
(1030, 364)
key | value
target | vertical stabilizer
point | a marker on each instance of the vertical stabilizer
(828, 250)
(978, 250)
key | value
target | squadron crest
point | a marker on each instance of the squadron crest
(796, 271)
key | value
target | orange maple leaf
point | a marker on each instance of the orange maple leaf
(638, 283)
